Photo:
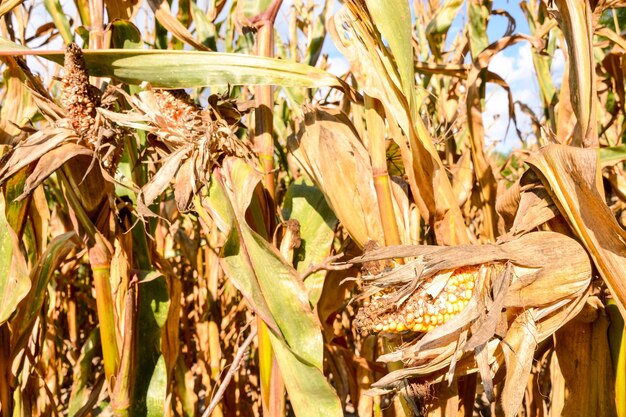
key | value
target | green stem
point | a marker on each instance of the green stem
(272, 385)
(104, 304)
(99, 258)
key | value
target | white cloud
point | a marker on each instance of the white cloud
(516, 67)
(337, 64)
(558, 67)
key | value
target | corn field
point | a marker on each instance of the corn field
(199, 218)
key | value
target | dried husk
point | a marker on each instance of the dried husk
(539, 279)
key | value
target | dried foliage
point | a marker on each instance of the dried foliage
(242, 233)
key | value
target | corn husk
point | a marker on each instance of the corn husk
(526, 289)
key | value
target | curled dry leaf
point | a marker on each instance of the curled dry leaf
(188, 140)
(329, 150)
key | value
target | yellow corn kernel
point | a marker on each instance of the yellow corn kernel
(392, 326)
(446, 317)
(379, 327)
(418, 327)
(410, 317)
(452, 298)
(400, 327)
(439, 318)
(426, 319)
(385, 327)
(419, 319)
(468, 294)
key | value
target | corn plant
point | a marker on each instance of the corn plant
(197, 218)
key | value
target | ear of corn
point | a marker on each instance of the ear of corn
(543, 272)
(421, 312)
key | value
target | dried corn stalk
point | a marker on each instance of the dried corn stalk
(467, 298)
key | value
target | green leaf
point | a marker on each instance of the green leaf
(444, 16)
(59, 18)
(478, 18)
(272, 287)
(40, 276)
(157, 392)
(204, 27)
(393, 19)
(306, 203)
(310, 393)
(153, 309)
(188, 69)
(125, 35)
(14, 282)
(81, 395)
(253, 8)
(612, 155)
(186, 392)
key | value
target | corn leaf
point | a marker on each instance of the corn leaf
(154, 303)
(305, 203)
(14, 281)
(443, 17)
(327, 148)
(575, 22)
(60, 20)
(156, 396)
(274, 290)
(617, 345)
(310, 394)
(164, 15)
(612, 155)
(7, 6)
(82, 396)
(40, 277)
(187, 69)
(393, 19)
(571, 176)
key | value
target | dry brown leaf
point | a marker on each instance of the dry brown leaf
(159, 182)
(50, 162)
(32, 149)
(330, 152)
(519, 348)
(571, 176)
(164, 14)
